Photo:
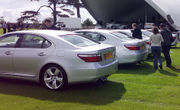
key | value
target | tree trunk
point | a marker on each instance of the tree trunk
(78, 12)
(54, 14)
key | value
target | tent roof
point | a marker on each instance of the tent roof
(124, 11)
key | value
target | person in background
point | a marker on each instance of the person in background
(156, 39)
(20, 25)
(14, 27)
(48, 24)
(136, 32)
(4, 27)
(166, 45)
(9, 27)
(27, 26)
(63, 26)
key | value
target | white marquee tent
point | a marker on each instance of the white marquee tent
(135, 10)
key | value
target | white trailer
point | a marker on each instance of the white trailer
(69, 23)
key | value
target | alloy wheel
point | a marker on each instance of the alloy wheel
(53, 78)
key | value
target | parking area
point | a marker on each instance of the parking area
(133, 87)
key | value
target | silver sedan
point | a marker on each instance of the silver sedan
(144, 37)
(127, 50)
(55, 58)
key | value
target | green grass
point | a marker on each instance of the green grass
(1, 31)
(133, 87)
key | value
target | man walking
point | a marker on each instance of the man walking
(136, 32)
(166, 45)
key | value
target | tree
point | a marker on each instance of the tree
(77, 4)
(28, 15)
(54, 4)
(87, 22)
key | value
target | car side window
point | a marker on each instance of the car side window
(81, 33)
(9, 41)
(95, 36)
(32, 41)
(46, 44)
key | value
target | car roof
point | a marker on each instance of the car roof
(94, 30)
(46, 32)
(124, 30)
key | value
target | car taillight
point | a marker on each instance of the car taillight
(132, 47)
(174, 38)
(90, 57)
(148, 43)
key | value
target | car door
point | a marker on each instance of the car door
(31, 54)
(7, 49)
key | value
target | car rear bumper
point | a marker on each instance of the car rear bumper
(133, 57)
(149, 49)
(91, 73)
(174, 43)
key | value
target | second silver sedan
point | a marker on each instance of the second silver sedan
(127, 50)
(145, 38)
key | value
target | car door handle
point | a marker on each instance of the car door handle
(42, 54)
(8, 53)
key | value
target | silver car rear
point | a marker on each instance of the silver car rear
(127, 50)
(145, 38)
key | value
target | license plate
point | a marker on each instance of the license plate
(109, 55)
(143, 46)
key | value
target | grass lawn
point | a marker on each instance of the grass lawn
(133, 87)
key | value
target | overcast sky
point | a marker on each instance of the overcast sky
(11, 9)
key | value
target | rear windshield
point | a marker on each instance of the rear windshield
(147, 33)
(129, 34)
(121, 36)
(79, 40)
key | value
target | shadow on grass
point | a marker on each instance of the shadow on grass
(142, 69)
(167, 73)
(175, 47)
(89, 93)
(176, 69)
(151, 59)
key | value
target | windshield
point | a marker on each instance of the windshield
(78, 40)
(121, 36)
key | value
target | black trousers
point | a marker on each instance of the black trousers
(4, 30)
(166, 52)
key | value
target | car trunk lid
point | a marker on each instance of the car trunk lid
(106, 52)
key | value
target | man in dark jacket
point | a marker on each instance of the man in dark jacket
(48, 25)
(166, 45)
(136, 32)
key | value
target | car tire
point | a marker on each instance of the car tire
(53, 77)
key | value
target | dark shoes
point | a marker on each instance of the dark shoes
(155, 68)
(160, 66)
(169, 66)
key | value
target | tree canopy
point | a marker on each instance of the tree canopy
(52, 4)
